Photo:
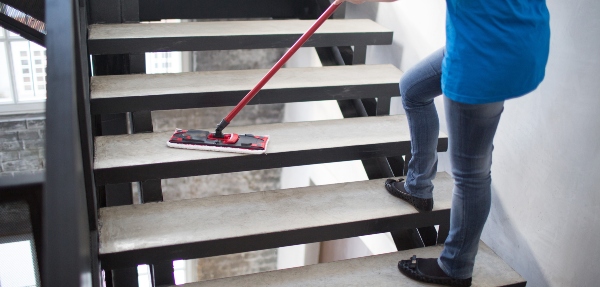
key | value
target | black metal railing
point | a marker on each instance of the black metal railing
(22, 21)
(69, 250)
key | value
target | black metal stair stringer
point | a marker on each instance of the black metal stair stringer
(376, 167)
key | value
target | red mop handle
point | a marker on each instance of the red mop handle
(281, 61)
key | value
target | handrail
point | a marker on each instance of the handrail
(21, 23)
(66, 258)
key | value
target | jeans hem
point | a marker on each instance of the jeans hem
(412, 194)
(443, 267)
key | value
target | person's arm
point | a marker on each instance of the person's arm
(361, 1)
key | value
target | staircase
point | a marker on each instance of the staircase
(157, 232)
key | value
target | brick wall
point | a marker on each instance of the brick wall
(21, 144)
(237, 264)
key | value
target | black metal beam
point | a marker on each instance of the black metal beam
(151, 191)
(152, 10)
(141, 122)
(124, 277)
(162, 274)
(273, 240)
(105, 11)
(406, 239)
(23, 30)
(35, 8)
(66, 259)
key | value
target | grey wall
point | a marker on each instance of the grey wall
(546, 200)
(545, 213)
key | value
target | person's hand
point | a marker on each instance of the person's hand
(338, 2)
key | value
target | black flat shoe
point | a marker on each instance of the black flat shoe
(396, 188)
(427, 270)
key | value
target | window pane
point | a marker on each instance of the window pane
(6, 92)
(28, 85)
(144, 276)
(16, 264)
(164, 62)
(13, 35)
(1, 33)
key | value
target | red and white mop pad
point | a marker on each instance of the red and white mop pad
(205, 140)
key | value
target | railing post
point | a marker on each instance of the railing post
(66, 247)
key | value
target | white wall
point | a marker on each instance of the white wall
(545, 212)
(419, 30)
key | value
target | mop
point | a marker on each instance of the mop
(241, 143)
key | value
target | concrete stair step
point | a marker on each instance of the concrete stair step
(157, 232)
(138, 157)
(226, 35)
(380, 270)
(128, 93)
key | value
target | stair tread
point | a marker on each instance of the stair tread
(229, 28)
(232, 35)
(237, 217)
(379, 270)
(134, 157)
(217, 85)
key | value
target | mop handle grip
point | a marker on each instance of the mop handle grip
(282, 61)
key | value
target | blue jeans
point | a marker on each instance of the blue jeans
(471, 130)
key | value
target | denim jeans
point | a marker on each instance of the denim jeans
(471, 130)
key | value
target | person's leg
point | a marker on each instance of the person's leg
(471, 130)
(418, 87)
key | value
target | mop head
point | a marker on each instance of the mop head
(205, 140)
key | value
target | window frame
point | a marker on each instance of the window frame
(16, 106)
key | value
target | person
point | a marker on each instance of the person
(495, 51)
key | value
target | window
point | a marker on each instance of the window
(17, 261)
(144, 277)
(24, 89)
(165, 62)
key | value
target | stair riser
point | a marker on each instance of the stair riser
(141, 45)
(232, 98)
(273, 240)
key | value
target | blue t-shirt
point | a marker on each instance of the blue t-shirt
(495, 49)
